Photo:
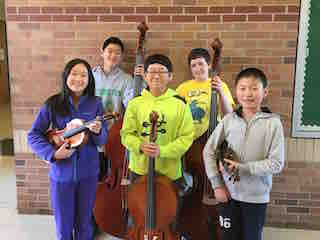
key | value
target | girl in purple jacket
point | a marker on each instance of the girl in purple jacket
(73, 172)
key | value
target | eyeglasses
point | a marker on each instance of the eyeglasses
(161, 73)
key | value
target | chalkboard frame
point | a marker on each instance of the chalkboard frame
(298, 129)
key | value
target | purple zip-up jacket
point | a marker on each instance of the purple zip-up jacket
(84, 162)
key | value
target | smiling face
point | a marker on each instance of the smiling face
(199, 69)
(112, 55)
(250, 93)
(78, 79)
(158, 78)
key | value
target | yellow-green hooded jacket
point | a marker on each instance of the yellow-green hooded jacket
(174, 137)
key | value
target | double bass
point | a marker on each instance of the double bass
(110, 208)
(152, 201)
(199, 206)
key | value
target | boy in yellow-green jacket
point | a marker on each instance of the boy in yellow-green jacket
(174, 128)
(175, 125)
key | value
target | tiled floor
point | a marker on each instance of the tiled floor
(12, 225)
(25, 227)
(7, 183)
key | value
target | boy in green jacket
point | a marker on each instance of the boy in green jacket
(175, 124)
(174, 128)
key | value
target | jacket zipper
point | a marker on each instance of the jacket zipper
(244, 141)
(75, 162)
(75, 167)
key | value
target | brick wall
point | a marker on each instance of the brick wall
(44, 35)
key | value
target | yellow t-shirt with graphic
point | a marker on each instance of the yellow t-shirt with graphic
(198, 96)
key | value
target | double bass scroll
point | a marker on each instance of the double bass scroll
(138, 80)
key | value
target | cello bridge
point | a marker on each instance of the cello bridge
(152, 236)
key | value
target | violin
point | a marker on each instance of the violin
(222, 152)
(76, 132)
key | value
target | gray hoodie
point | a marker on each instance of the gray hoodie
(115, 88)
(259, 147)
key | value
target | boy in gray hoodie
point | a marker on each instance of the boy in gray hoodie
(256, 137)
(113, 85)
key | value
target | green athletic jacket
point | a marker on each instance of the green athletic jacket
(175, 131)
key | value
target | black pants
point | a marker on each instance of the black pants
(241, 220)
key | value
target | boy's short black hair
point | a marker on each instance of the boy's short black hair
(253, 72)
(199, 53)
(160, 59)
(113, 40)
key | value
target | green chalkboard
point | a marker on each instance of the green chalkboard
(306, 114)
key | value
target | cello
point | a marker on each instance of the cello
(198, 207)
(111, 193)
(152, 201)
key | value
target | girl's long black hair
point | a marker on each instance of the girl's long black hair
(59, 102)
